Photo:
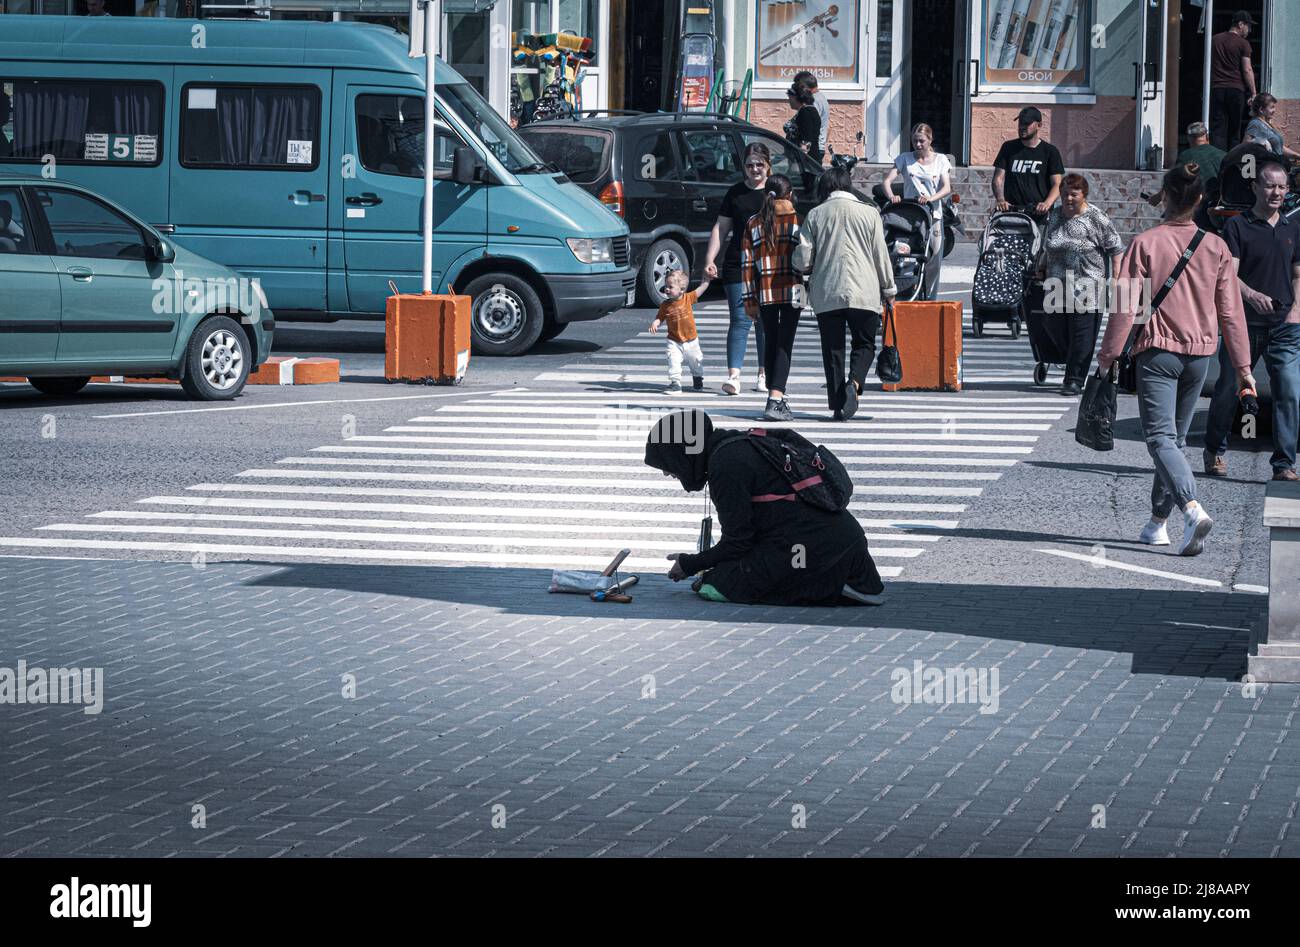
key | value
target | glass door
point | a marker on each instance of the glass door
(466, 49)
(1149, 85)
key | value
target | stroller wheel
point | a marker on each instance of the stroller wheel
(977, 327)
(1015, 328)
(1040, 374)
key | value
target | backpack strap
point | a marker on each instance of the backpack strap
(799, 485)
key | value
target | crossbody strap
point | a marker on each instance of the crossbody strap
(1169, 284)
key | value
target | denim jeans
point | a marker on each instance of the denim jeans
(1280, 347)
(1169, 386)
(738, 331)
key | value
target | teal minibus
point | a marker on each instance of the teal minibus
(293, 152)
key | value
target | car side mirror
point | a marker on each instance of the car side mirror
(466, 168)
(159, 250)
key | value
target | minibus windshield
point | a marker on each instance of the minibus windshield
(472, 109)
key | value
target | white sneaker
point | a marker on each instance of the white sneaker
(761, 383)
(1196, 526)
(731, 386)
(1154, 534)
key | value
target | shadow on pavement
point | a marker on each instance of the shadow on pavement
(1193, 634)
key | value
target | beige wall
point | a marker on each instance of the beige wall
(1089, 136)
(846, 121)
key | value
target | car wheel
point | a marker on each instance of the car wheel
(217, 360)
(551, 330)
(506, 315)
(60, 387)
(662, 257)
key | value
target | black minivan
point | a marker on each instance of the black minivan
(665, 174)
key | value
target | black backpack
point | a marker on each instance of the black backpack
(816, 475)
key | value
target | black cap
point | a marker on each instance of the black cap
(1243, 16)
(1029, 115)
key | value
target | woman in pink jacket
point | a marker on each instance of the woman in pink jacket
(1174, 345)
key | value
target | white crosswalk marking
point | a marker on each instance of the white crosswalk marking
(551, 476)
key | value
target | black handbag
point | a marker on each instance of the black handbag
(1097, 409)
(889, 367)
(1127, 375)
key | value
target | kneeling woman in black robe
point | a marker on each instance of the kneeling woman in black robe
(771, 553)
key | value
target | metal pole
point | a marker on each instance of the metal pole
(432, 10)
(1205, 96)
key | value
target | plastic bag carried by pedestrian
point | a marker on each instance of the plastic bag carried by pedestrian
(1097, 407)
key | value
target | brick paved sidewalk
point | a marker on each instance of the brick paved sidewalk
(662, 727)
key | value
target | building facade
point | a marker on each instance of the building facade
(1117, 81)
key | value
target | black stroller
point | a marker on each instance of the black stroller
(908, 228)
(1008, 251)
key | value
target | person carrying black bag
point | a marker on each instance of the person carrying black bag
(1199, 296)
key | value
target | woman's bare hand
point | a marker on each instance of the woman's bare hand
(676, 573)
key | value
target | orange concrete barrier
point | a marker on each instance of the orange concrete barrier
(427, 338)
(276, 370)
(929, 345)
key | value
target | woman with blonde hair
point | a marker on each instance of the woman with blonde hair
(1174, 343)
(925, 180)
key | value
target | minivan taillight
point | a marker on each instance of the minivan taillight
(612, 196)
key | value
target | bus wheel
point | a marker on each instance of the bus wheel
(506, 316)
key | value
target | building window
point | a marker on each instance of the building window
(81, 122)
(820, 36)
(1036, 44)
(250, 127)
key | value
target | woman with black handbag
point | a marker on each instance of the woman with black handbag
(842, 249)
(1196, 296)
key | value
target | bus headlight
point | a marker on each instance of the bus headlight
(592, 249)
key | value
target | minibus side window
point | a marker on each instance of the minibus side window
(250, 126)
(81, 121)
(390, 136)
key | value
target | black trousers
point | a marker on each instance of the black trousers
(863, 325)
(1227, 114)
(1081, 343)
(779, 325)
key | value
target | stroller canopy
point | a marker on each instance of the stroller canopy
(1015, 225)
(910, 222)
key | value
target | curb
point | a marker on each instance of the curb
(276, 370)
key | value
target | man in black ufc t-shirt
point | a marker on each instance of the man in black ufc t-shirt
(1028, 171)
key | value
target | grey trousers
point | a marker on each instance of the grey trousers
(1168, 388)
(933, 264)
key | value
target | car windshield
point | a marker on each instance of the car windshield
(580, 156)
(463, 101)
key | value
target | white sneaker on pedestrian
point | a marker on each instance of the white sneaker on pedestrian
(1196, 526)
(731, 386)
(760, 384)
(1154, 534)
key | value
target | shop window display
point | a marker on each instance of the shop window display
(553, 43)
(1036, 43)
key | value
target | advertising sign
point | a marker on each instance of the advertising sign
(820, 36)
(1038, 43)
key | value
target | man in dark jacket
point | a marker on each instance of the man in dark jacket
(773, 552)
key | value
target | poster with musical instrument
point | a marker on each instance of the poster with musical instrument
(818, 35)
(1039, 43)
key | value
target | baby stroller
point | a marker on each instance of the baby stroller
(908, 229)
(1008, 250)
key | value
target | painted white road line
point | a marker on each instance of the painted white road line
(1256, 589)
(917, 412)
(638, 456)
(516, 496)
(288, 404)
(835, 444)
(598, 486)
(643, 424)
(528, 396)
(622, 435)
(649, 476)
(585, 512)
(686, 533)
(1103, 562)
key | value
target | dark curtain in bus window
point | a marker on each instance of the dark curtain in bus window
(284, 127)
(233, 111)
(49, 119)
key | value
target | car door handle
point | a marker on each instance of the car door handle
(700, 204)
(82, 274)
(366, 199)
(305, 197)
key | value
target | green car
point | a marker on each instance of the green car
(86, 288)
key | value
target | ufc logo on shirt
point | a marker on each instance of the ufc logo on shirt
(1023, 166)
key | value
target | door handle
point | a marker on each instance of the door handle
(305, 197)
(700, 204)
(366, 199)
(82, 274)
(975, 85)
(1150, 87)
(1137, 80)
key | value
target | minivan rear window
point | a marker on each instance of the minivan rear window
(81, 121)
(247, 126)
(580, 155)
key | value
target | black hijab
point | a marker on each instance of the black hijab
(678, 445)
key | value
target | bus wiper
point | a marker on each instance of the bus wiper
(537, 167)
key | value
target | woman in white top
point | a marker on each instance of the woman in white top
(926, 181)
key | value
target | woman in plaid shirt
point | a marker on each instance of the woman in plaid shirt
(772, 288)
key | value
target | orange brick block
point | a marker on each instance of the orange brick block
(268, 373)
(315, 371)
(427, 338)
(929, 345)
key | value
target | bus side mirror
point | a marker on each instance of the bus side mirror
(466, 168)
